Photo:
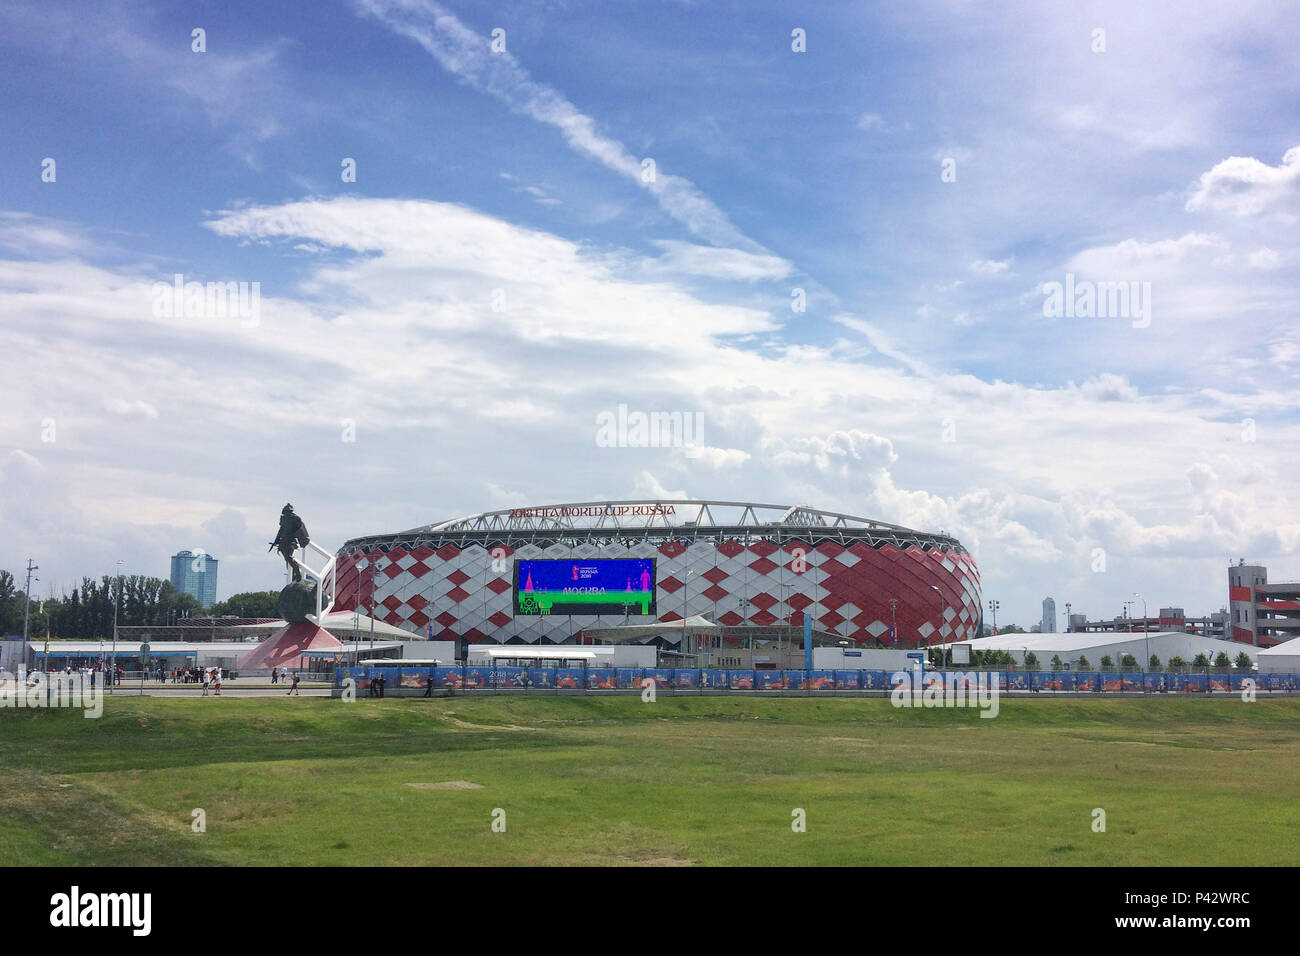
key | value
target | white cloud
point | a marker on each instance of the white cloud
(1148, 260)
(841, 452)
(716, 458)
(689, 259)
(1244, 186)
(131, 409)
(1264, 258)
(992, 267)
(1108, 387)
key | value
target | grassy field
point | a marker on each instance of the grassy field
(681, 781)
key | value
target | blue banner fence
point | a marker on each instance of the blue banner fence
(407, 680)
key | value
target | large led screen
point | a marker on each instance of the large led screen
(624, 586)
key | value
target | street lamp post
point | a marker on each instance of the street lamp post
(1068, 626)
(686, 580)
(943, 616)
(117, 599)
(1146, 641)
(993, 606)
(27, 604)
(893, 622)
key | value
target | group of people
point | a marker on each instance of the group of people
(283, 676)
(93, 672)
(211, 677)
(187, 675)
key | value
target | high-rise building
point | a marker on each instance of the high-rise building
(1048, 623)
(195, 573)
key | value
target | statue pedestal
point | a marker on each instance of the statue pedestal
(284, 647)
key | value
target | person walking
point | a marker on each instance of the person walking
(428, 686)
(205, 683)
(217, 681)
(293, 690)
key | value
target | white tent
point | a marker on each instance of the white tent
(1281, 658)
(342, 624)
(623, 633)
(1095, 644)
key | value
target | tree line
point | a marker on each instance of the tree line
(86, 611)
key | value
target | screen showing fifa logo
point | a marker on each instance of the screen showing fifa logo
(586, 586)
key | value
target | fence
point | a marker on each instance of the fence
(412, 680)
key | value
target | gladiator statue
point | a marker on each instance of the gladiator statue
(291, 536)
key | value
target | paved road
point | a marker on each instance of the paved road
(245, 687)
(187, 691)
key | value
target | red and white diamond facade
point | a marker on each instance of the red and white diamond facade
(734, 563)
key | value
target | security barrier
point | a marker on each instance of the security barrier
(405, 681)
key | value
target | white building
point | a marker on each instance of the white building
(1096, 645)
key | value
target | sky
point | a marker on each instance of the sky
(831, 233)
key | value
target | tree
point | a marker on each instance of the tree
(1010, 629)
(1106, 661)
(1244, 662)
(1128, 662)
(249, 604)
(1155, 662)
(1031, 661)
(11, 611)
(1177, 663)
(1222, 660)
(1056, 662)
(1083, 662)
(1201, 661)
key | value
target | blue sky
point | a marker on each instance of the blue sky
(923, 385)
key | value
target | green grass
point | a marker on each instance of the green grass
(685, 780)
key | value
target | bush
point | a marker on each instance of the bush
(1106, 661)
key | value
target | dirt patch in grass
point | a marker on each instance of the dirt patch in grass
(468, 726)
(447, 785)
(650, 856)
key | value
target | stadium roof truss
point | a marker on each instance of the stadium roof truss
(629, 522)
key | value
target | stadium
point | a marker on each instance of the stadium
(547, 574)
